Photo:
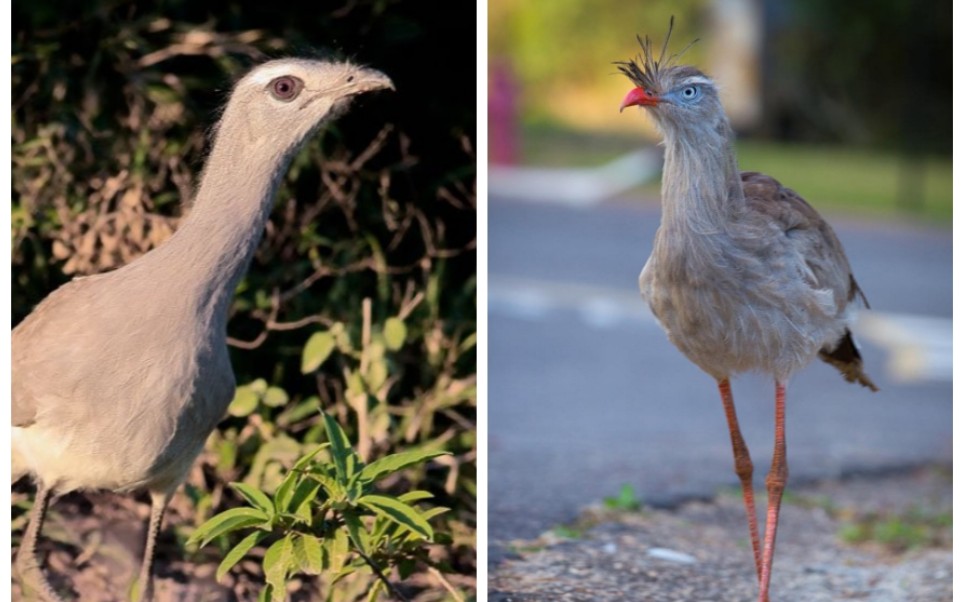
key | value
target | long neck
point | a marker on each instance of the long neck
(701, 181)
(210, 252)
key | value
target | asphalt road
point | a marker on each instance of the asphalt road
(586, 394)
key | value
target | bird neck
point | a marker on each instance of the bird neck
(211, 250)
(701, 187)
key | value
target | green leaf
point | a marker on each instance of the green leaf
(357, 532)
(341, 452)
(308, 552)
(468, 343)
(282, 495)
(398, 512)
(356, 385)
(256, 498)
(414, 496)
(275, 397)
(265, 470)
(238, 552)
(395, 462)
(227, 455)
(337, 550)
(279, 561)
(342, 339)
(245, 401)
(626, 500)
(395, 333)
(299, 411)
(266, 594)
(406, 567)
(433, 512)
(300, 502)
(335, 489)
(227, 521)
(307, 458)
(375, 591)
(377, 374)
(316, 351)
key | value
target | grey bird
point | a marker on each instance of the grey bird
(744, 274)
(118, 378)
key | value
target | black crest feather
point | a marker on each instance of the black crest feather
(645, 70)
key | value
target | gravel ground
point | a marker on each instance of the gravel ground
(699, 551)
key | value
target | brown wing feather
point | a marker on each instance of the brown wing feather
(826, 260)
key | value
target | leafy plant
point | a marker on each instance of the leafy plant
(626, 500)
(328, 517)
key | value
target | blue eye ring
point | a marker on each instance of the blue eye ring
(689, 93)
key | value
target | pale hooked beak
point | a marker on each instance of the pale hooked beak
(370, 79)
(639, 96)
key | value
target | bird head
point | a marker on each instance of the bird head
(677, 96)
(281, 102)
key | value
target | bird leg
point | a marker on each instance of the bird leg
(145, 581)
(775, 482)
(744, 468)
(28, 566)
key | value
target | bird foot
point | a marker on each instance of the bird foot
(33, 580)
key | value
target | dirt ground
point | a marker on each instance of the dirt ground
(92, 544)
(874, 538)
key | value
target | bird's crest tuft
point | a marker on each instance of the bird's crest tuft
(646, 69)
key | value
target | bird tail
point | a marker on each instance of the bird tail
(846, 358)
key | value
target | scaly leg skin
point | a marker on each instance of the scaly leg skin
(145, 582)
(744, 468)
(31, 575)
(776, 480)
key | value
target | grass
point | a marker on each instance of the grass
(862, 182)
(899, 532)
(626, 500)
(894, 530)
(857, 180)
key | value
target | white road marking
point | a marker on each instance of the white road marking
(919, 348)
(576, 186)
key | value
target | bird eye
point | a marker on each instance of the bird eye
(689, 92)
(351, 78)
(286, 87)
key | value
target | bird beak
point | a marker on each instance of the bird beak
(638, 96)
(370, 79)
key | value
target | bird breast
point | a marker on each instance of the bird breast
(735, 301)
(114, 395)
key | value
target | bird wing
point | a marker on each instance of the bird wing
(52, 348)
(811, 236)
(827, 267)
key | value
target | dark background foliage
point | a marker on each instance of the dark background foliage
(890, 59)
(112, 102)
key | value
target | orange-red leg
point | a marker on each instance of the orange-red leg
(775, 481)
(744, 468)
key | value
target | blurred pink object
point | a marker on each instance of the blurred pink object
(503, 114)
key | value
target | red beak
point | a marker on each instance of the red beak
(638, 96)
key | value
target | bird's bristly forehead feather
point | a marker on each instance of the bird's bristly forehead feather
(648, 71)
(263, 74)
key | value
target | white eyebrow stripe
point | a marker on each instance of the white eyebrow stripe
(266, 74)
(697, 79)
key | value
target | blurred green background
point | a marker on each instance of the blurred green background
(848, 103)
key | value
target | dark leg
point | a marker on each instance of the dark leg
(776, 480)
(31, 575)
(744, 468)
(146, 579)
